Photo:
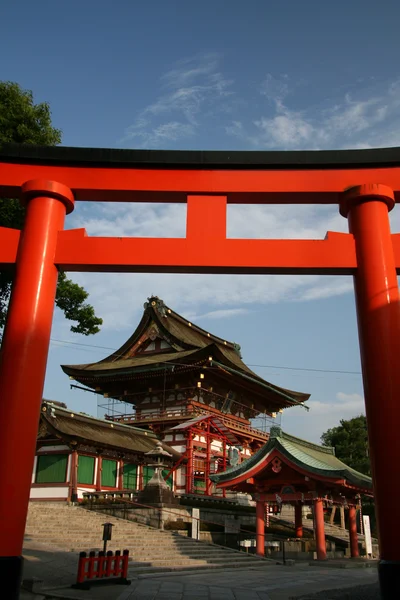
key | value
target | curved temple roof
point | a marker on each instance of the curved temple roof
(189, 343)
(319, 461)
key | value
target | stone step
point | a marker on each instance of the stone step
(75, 529)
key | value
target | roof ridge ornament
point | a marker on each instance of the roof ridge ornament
(275, 432)
(157, 304)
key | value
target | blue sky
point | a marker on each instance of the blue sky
(214, 75)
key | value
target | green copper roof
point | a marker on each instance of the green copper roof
(317, 460)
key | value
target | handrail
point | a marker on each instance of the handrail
(189, 411)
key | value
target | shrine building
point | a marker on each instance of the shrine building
(78, 454)
(190, 388)
(289, 470)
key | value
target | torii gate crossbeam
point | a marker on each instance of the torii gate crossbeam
(365, 184)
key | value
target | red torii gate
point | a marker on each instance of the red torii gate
(364, 183)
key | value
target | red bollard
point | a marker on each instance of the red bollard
(103, 568)
(109, 562)
(125, 562)
(81, 567)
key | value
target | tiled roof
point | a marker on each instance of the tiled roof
(84, 428)
(185, 339)
(317, 460)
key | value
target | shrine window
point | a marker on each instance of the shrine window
(130, 476)
(51, 468)
(86, 469)
(108, 473)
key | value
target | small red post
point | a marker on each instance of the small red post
(260, 528)
(23, 362)
(91, 568)
(125, 559)
(81, 567)
(378, 314)
(353, 532)
(298, 518)
(110, 560)
(117, 566)
(319, 529)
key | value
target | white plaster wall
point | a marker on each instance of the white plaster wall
(52, 448)
(34, 470)
(49, 492)
(96, 466)
(82, 490)
(69, 468)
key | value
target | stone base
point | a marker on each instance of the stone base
(11, 576)
(389, 579)
(157, 496)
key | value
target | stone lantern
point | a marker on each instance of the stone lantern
(157, 492)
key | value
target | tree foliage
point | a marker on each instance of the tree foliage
(24, 122)
(350, 440)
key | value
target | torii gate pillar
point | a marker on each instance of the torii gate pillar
(378, 314)
(23, 363)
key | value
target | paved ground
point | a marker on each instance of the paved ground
(270, 582)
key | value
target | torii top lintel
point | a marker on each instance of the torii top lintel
(265, 177)
(206, 181)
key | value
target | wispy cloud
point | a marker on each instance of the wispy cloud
(322, 415)
(356, 121)
(191, 88)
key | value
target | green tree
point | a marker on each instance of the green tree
(350, 440)
(24, 122)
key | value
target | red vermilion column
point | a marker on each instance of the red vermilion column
(298, 520)
(378, 315)
(121, 474)
(23, 363)
(74, 476)
(319, 529)
(98, 473)
(353, 532)
(260, 531)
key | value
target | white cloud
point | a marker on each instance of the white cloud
(360, 120)
(322, 415)
(194, 86)
(192, 91)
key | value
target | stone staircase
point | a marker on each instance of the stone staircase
(75, 529)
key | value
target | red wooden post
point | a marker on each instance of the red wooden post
(378, 314)
(319, 529)
(353, 532)
(125, 563)
(98, 473)
(189, 464)
(298, 518)
(109, 564)
(23, 362)
(121, 474)
(91, 570)
(117, 565)
(81, 567)
(74, 477)
(208, 461)
(224, 464)
(260, 529)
